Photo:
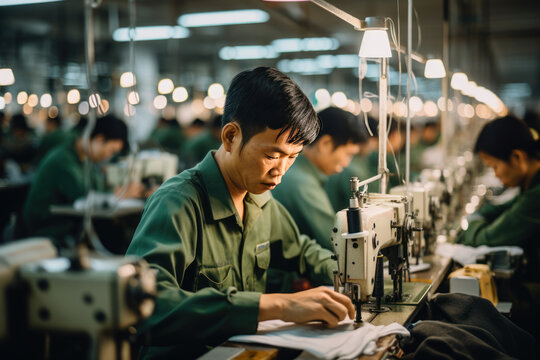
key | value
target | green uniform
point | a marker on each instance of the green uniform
(196, 149)
(50, 141)
(170, 138)
(302, 193)
(59, 180)
(338, 186)
(514, 223)
(212, 266)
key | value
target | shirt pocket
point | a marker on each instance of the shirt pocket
(217, 277)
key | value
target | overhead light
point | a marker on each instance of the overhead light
(45, 101)
(180, 94)
(83, 107)
(416, 104)
(215, 91)
(306, 44)
(165, 86)
(339, 99)
(33, 100)
(22, 97)
(459, 81)
(133, 97)
(209, 103)
(216, 18)
(434, 69)
(247, 52)
(6, 77)
(430, 108)
(143, 33)
(366, 105)
(127, 79)
(2, 103)
(7, 97)
(469, 89)
(323, 98)
(94, 100)
(73, 96)
(24, 2)
(160, 102)
(375, 43)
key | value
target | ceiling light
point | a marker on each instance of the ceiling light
(33, 100)
(24, 2)
(216, 18)
(94, 100)
(306, 44)
(6, 77)
(459, 81)
(83, 108)
(2, 103)
(430, 108)
(127, 79)
(165, 86)
(143, 33)
(7, 97)
(323, 98)
(247, 52)
(73, 96)
(215, 91)
(339, 99)
(133, 97)
(209, 103)
(46, 100)
(180, 94)
(375, 43)
(415, 104)
(434, 69)
(22, 97)
(160, 102)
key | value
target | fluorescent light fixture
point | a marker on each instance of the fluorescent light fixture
(375, 44)
(306, 44)
(217, 18)
(434, 69)
(247, 52)
(6, 77)
(459, 81)
(142, 33)
(24, 2)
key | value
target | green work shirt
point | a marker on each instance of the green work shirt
(338, 186)
(301, 191)
(212, 266)
(514, 223)
(169, 138)
(59, 180)
(49, 141)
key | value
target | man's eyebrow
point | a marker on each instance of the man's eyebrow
(278, 150)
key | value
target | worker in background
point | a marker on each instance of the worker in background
(338, 186)
(302, 191)
(168, 135)
(507, 145)
(19, 146)
(195, 128)
(54, 135)
(60, 180)
(211, 232)
(197, 147)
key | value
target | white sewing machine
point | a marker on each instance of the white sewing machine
(98, 296)
(374, 225)
(150, 167)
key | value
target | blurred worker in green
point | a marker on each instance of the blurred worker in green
(19, 144)
(508, 146)
(212, 231)
(168, 135)
(302, 191)
(338, 186)
(196, 148)
(54, 135)
(60, 179)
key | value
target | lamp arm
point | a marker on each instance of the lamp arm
(357, 23)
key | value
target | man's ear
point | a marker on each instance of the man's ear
(325, 144)
(231, 134)
(518, 157)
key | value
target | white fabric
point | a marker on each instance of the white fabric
(342, 342)
(466, 255)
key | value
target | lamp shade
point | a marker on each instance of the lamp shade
(6, 77)
(459, 81)
(434, 69)
(375, 44)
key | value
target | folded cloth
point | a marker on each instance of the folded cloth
(466, 255)
(342, 342)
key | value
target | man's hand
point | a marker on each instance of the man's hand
(319, 304)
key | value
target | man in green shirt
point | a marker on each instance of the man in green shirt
(54, 136)
(211, 232)
(59, 179)
(197, 147)
(302, 191)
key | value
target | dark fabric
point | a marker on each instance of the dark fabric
(458, 326)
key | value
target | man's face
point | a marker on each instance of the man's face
(101, 149)
(509, 172)
(263, 160)
(334, 160)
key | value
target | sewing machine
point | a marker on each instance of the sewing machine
(149, 167)
(101, 297)
(373, 226)
(426, 208)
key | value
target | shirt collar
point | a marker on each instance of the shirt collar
(309, 168)
(220, 199)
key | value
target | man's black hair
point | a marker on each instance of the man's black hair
(501, 136)
(216, 122)
(266, 98)
(198, 122)
(19, 121)
(111, 128)
(342, 126)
